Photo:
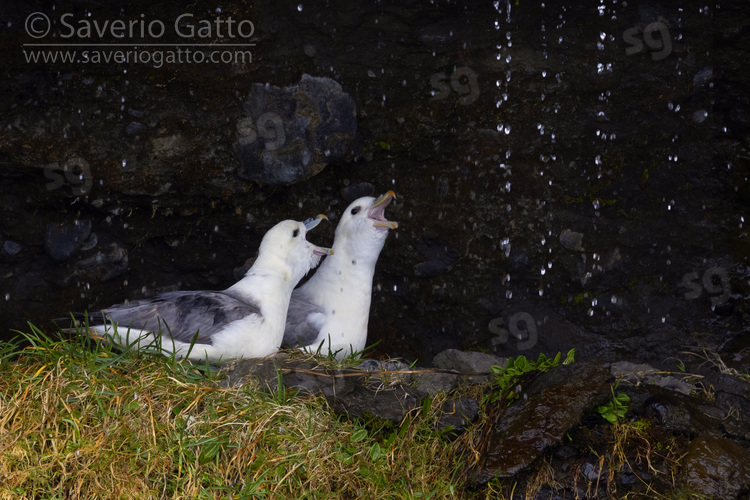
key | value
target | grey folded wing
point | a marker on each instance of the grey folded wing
(180, 314)
(301, 329)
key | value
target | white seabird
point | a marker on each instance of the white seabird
(244, 321)
(330, 312)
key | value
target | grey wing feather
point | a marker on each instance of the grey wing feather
(299, 330)
(180, 314)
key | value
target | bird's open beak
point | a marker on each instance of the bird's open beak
(311, 223)
(377, 211)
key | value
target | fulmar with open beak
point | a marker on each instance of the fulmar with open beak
(329, 314)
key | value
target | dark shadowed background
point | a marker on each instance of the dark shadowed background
(569, 174)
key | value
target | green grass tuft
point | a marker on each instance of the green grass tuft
(81, 419)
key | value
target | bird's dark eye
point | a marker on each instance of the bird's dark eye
(295, 233)
(355, 210)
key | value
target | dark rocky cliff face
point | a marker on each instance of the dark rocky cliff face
(567, 175)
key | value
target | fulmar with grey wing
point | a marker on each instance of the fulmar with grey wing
(244, 321)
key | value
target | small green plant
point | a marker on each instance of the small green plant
(350, 357)
(615, 410)
(508, 376)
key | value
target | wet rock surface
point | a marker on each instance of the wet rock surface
(716, 467)
(372, 389)
(62, 241)
(292, 133)
(467, 362)
(678, 413)
(457, 414)
(552, 405)
(646, 374)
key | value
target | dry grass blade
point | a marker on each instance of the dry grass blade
(713, 358)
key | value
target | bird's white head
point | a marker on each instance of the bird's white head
(363, 228)
(285, 248)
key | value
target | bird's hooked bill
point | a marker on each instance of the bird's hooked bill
(322, 251)
(377, 210)
(312, 222)
(388, 196)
